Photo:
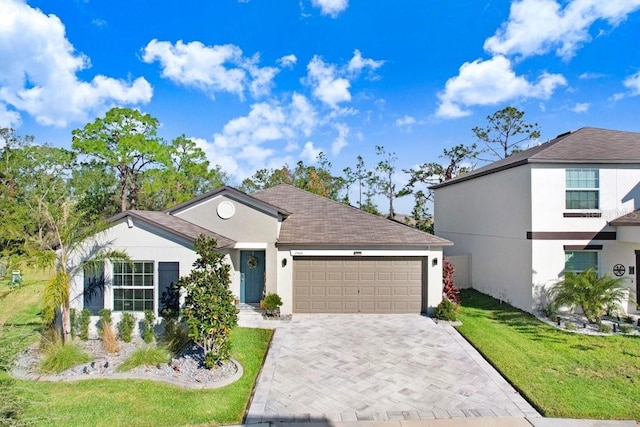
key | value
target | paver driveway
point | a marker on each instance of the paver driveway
(377, 367)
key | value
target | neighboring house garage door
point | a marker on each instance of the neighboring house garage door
(358, 285)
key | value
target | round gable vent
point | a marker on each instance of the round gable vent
(226, 210)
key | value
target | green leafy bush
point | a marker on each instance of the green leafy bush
(570, 326)
(272, 303)
(148, 326)
(446, 310)
(126, 325)
(105, 318)
(59, 357)
(73, 319)
(595, 295)
(83, 324)
(149, 355)
(208, 302)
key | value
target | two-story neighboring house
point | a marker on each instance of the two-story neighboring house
(565, 205)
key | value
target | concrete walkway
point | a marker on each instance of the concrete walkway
(458, 422)
(347, 368)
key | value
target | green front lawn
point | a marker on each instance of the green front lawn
(562, 374)
(123, 402)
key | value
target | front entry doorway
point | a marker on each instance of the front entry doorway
(252, 270)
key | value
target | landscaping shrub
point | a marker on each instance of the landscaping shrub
(595, 295)
(59, 357)
(148, 325)
(446, 310)
(626, 329)
(449, 289)
(208, 302)
(83, 324)
(272, 304)
(73, 319)
(149, 355)
(126, 325)
(570, 326)
(604, 328)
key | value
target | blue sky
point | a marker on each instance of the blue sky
(260, 83)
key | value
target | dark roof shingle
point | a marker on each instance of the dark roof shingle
(318, 221)
(631, 218)
(585, 145)
(175, 225)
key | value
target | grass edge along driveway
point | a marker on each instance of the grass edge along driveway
(564, 375)
(124, 402)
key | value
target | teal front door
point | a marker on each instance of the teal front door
(252, 276)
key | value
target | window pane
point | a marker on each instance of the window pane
(582, 178)
(148, 305)
(580, 261)
(137, 280)
(148, 294)
(117, 267)
(578, 199)
(148, 267)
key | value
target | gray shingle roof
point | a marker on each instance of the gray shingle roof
(632, 218)
(585, 145)
(317, 221)
(174, 225)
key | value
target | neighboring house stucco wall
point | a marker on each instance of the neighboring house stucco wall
(488, 217)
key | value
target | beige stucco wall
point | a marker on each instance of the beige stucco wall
(488, 217)
(250, 228)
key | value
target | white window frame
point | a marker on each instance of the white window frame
(579, 189)
(147, 283)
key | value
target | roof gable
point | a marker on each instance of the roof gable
(319, 221)
(174, 225)
(585, 145)
(233, 194)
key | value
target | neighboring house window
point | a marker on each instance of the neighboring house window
(579, 261)
(583, 188)
(133, 286)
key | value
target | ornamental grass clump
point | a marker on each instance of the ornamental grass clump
(594, 295)
(83, 324)
(149, 355)
(446, 310)
(108, 335)
(59, 356)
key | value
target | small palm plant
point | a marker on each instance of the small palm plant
(595, 295)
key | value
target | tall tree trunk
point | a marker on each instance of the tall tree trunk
(66, 323)
(123, 192)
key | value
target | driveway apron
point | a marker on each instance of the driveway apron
(377, 367)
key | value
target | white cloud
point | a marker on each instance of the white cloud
(633, 83)
(9, 119)
(288, 61)
(358, 63)
(264, 138)
(580, 107)
(341, 140)
(405, 121)
(591, 76)
(328, 87)
(331, 84)
(333, 8)
(310, 152)
(40, 67)
(211, 69)
(303, 116)
(536, 27)
(491, 82)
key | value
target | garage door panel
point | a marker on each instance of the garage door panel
(358, 285)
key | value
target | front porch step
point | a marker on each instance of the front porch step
(243, 306)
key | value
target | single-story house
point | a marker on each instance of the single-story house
(565, 205)
(319, 255)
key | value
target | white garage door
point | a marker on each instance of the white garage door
(358, 285)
